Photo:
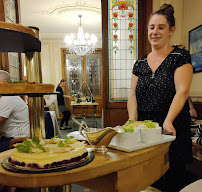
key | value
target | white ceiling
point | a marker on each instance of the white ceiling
(57, 18)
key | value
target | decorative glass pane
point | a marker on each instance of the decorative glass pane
(93, 73)
(74, 73)
(14, 66)
(13, 58)
(10, 11)
(123, 43)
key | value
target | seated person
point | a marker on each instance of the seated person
(198, 137)
(193, 114)
(14, 116)
(52, 104)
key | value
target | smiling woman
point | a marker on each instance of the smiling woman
(160, 85)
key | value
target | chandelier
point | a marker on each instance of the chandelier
(84, 44)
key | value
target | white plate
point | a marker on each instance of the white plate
(76, 135)
(165, 139)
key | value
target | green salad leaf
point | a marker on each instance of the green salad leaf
(67, 140)
(40, 147)
(129, 122)
(27, 143)
(23, 148)
(61, 144)
(128, 130)
(148, 121)
(128, 127)
(35, 139)
(54, 137)
(149, 124)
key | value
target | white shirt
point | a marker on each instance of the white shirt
(15, 110)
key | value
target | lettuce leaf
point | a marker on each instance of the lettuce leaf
(23, 148)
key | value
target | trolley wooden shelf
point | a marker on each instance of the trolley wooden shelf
(113, 171)
(17, 38)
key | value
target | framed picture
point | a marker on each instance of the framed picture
(195, 47)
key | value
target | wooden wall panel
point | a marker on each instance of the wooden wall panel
(144, 11)
(2, 17)
(118, 116)
(4, 65)
(105, 62)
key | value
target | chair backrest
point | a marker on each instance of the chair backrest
(54, 107)
(16, 140)
(197, 151)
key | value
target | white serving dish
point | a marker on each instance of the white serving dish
(150, 135)
(121, 147)
(76, 135)
(127, 139)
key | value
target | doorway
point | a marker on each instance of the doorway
(84, 77)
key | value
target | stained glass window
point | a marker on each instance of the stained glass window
(84, 74)
(14, 66)
(10, 11)
(123, 35)
(74, 73)
(93, 72)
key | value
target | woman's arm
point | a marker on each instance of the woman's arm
(182, 78)
(67, 96)
(132, 101)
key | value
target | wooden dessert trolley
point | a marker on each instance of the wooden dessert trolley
(114, 171)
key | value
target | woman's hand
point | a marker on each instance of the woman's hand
(193, 112)
(67, 96)
(168, 128)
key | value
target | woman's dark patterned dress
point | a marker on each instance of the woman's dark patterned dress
(155, 93)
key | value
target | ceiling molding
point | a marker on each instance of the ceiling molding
(56, 19)
(78, 6)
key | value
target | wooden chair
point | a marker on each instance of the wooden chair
(16, 140)
(197, 151)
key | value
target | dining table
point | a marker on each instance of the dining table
(114, 171)
(85, 105)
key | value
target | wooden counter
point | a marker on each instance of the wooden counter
(115, 171)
